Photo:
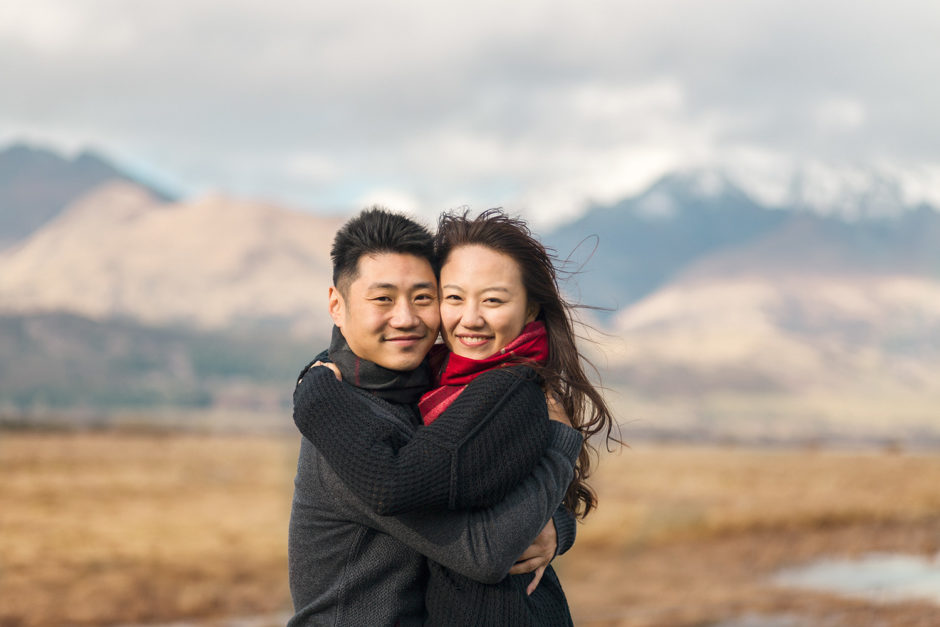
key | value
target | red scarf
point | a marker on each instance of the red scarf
(531, 346)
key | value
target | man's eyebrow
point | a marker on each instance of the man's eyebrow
(391, 286)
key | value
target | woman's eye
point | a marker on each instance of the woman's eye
(452, 298)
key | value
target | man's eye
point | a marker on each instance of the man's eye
(382, 299)
(424, 298)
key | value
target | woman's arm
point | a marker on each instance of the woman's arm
(484, 543)
(487, 441)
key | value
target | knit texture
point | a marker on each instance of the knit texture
(453, 600)
(456, 371)
(493, 435)
(350, 566)
(566, 527)
(500, 415)
(395, 386)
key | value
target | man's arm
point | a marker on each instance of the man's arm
(486, 442)
(483, 544)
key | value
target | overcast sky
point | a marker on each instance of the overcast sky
(425, 104)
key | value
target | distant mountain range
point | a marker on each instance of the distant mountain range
(56, 361)
(119, 252)
(799, 324)
(624, 252)
(723, 317)
(36, 184)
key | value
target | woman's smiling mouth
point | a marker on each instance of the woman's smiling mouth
(474, 340)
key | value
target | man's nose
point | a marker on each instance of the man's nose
(404, 315)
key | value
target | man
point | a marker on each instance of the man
(348, 564)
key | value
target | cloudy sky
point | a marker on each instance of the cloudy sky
(541, 107)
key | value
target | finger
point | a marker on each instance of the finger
(535, 580)
(556, 411)
(526, 566)
(331, 366)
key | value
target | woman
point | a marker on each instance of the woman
(508, 337)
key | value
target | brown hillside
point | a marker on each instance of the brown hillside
(211, 263)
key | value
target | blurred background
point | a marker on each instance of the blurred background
(746, 197)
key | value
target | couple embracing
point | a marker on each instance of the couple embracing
(436, 482)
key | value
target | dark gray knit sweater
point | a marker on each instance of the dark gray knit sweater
(350, 565)
(487, 441)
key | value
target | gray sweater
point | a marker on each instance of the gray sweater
(351, 566)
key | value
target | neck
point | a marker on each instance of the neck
(396, 386)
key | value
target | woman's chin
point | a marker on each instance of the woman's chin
(475, 352)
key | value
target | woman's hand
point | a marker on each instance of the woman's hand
(331, 366)
(555, 410)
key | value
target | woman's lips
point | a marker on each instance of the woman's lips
(472, 341)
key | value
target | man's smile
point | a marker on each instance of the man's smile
(404, 340)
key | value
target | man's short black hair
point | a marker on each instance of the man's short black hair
(377, 230)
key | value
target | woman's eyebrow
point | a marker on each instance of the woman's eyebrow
(497, 288)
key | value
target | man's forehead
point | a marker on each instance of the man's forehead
(395, 271)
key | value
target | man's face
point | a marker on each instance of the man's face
(389, 313)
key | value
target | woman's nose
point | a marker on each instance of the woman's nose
(471, 317)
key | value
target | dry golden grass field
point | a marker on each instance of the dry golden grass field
(122, 529)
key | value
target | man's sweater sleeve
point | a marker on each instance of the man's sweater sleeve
(478, 450)
(483, 544)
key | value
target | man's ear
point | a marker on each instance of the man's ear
(337, 306)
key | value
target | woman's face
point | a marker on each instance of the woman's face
(483, 301)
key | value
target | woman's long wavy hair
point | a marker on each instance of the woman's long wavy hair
(564, 373)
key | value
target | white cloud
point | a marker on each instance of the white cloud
(540, 105)
(44, 26)
(311, 167)
(394, 199)
(840, 115)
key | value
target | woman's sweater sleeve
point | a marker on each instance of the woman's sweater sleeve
(488, 440)
(565, 529)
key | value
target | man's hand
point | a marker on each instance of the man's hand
(538, 556)
(331, 366)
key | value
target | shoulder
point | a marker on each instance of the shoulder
(509, 380)
(323, 356)
(514, 375)
(404, 416)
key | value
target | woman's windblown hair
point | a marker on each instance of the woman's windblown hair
(564, 373)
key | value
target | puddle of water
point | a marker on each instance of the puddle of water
(877, 576)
